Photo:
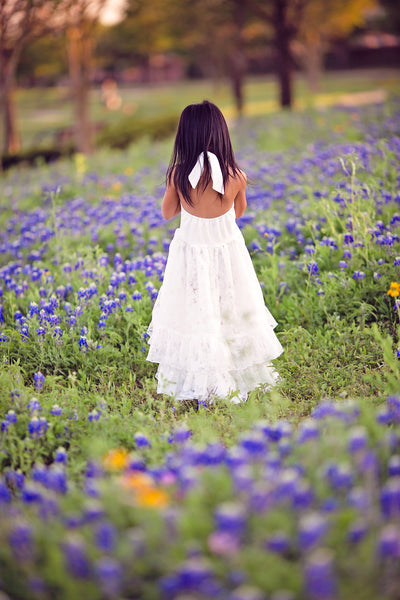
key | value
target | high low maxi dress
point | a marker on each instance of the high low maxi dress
(210, 331)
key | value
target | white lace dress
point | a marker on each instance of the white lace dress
(211, 332)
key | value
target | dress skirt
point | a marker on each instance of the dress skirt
(211, 333)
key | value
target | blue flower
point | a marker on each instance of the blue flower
(83, 345)
(358, 275)
(357, 439)
(390, 498)
(141, 441)
(308, 430)
(319, 580)
(109, 574)
(230, 517)
(34, 405)
(312, 527)
(39, 380)
(21, 542)
(94, 415)
(394, 465)
(278, 542)
(388, 544)
(76, 559)
(11, 417)
(105, 537)
(61, 455)
(312, 268)
(5, 494)
(357, 531)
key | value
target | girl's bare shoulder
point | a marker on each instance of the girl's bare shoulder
(240, 178)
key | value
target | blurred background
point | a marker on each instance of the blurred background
(76, 75)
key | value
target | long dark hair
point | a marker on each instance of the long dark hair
(201, 128)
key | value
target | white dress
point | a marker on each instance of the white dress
(211, 332)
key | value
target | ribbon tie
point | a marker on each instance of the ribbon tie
(215, 168)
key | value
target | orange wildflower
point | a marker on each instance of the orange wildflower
(146, 493)
(116, 459)
(152, 497)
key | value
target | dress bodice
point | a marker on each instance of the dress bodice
(210, 231)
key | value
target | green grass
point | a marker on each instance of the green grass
(41, 112)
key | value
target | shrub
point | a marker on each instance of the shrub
(129, 130)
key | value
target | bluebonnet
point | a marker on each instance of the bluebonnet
(21, 542)
(61, 455)
(319, 579)
(142, 441)
(230, 517)
(358, 275)
(388, 543)
(109, 573)
(11, 417)
(39, 380)
(34, 405)
(105, 536)
(312, 268)
(311, 529)
(76, 558)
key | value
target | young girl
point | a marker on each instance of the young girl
(210, 332)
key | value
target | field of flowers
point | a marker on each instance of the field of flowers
(108, 491)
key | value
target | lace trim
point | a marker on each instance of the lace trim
(188, 385)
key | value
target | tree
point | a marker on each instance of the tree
(323, 21)
(21, 22)
(213, 32)
(143, 33)
(284, 17)
(80, 21)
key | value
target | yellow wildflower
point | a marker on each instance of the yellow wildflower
(116, 459)
(128, 171)
(117, 185)
(394, 289)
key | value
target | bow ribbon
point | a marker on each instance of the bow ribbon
(215, 168)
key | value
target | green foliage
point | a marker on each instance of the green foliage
(35, 156)
(127, 131)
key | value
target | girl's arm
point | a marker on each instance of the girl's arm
(170, 206)
(240, 201)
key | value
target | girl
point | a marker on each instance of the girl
(210, 332)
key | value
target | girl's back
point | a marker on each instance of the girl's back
(206, 203)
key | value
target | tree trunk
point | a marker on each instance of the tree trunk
(237, 76)
(12, 142)
(237, 59)
(79, 57)
(10, 135)
(284, 58)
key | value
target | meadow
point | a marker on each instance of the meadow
(111, 491)
(42, 113)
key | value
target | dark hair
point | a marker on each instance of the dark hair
(201, 128)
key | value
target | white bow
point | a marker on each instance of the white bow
(216, 173)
